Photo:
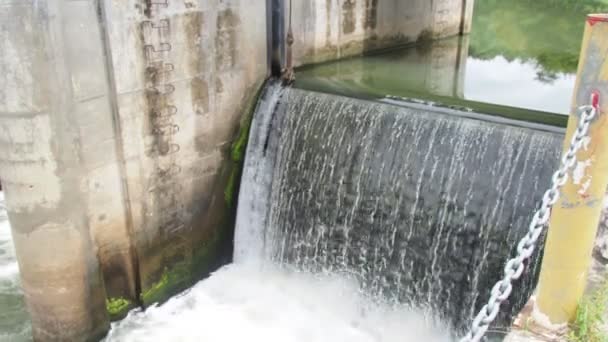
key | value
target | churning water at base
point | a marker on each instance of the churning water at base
(247, 302)
(14, 322)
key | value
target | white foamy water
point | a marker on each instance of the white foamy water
(14, 322)
(8, 264)
(247, 303)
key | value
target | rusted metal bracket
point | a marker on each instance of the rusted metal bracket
(288, 75)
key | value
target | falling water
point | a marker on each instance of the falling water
(421, 207)
(257, 300)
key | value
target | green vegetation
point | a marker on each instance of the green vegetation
(182, 275)
(161, 289)
(239, 146)
(587, 327)
(545, 32)
(118, 307)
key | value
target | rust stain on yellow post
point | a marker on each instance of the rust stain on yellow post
(575, 217)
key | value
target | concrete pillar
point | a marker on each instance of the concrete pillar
(467, 16)
(53, 91)
(116, 126)
(446, 68)
(452, 17)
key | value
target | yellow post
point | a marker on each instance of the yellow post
(575, 217)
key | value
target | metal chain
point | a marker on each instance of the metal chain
(514, 267)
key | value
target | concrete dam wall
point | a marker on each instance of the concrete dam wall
(327, 30)
(116, 128)
(120, 149)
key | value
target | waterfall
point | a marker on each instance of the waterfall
(257, 299)
(422, 207)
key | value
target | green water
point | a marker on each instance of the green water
(519, 61)
(546, 33)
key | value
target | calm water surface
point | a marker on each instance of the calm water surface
(520, 59)
(444, 72)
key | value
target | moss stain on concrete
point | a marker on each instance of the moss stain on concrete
(239, 146)
(183, 274)
(118, 307)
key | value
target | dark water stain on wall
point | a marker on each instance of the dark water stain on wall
(219, 86)
(203, 141)
(193, 25)
(156, 103)
(147, 7)
(348, 16)
(328, 22)
(198, 63)
(226, 39)
(371, 14)
(200, 95)
(118, 276)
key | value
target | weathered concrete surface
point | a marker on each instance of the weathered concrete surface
(116, 122)
(331, 29)
(58, 165)
(183, 71)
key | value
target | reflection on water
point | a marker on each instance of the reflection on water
(544, 33)
(14, 321)
(432, 68)
(517, 83)
(519, 60)
(444, 72)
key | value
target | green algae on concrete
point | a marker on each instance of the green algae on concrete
(184, 274)
(158, 291)
(239, 146)
(205, 257)
(118, 307)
